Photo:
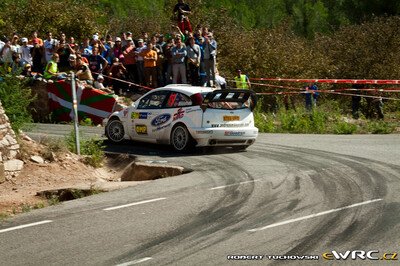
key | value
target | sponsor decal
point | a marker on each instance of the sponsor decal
(160, 120)
(126, 112)
(231, 125)
(179, 114)
(141, 129)
(231, 118)
(192, 110)
(139, 115)
(235, 133)
(161, 127)
(204, 131)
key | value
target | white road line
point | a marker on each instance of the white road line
(244, 182)
(24, 226)
(135, 261)
(132, 204)
(313, 215)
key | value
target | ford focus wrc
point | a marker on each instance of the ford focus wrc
(186, 117)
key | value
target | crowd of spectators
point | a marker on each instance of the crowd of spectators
(122, 62)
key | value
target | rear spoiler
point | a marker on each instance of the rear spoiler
(231, 95)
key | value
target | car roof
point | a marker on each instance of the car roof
(185, 88)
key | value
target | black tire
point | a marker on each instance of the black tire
(115, 131)
(180, 139)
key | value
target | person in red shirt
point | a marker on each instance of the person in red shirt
(35, 40)
(130, 60)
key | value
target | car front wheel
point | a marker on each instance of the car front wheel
(115, 131)
(181, 139)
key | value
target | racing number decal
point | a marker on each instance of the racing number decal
(179, 114)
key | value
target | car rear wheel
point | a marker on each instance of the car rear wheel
(115, 130)
(181, 140)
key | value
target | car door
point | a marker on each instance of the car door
(181, 108)
(149, 116)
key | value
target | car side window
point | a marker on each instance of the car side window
(177, 99)
(153, 101)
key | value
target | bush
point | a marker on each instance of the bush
(92, 147)
(344, 128)
(380, 127)
(15, 98)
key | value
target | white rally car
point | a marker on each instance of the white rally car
(185, 116)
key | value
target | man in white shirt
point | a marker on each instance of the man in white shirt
(26, 57)
(49, 46)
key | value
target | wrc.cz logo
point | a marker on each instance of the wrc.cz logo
(359, 254)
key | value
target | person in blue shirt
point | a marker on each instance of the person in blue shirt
(311, 96)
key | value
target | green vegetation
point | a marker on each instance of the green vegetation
(15, 98)
(322, 120)
(91, 147)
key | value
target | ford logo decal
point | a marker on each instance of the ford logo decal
(160, 119)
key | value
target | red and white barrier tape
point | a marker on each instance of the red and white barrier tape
(333, 81)
(124, 81)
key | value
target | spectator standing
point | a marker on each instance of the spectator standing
(118, 72)
(73, 45)
(157, 47)
(140, 61)
(242, 81)
(150, 66)
(210, 53)
(168, 62)
(106, 53)
(311, 96)
(6, 53)
(35, 38)
(183, 10)
(130, 60)
(96, 62)
(116, 50)
(26, 54)
(49, 47)
(86, 49)
(178, 56)
(64, 50)
(15, 47)
(194, 57)
(37, 57)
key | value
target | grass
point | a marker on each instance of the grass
(91, 147)
(324, 119)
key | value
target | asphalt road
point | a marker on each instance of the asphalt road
(286, 195)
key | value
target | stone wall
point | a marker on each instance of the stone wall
(10, 166)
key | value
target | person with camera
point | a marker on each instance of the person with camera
(183, 11)
(50, 46)
(64, 50)
(210, 61)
